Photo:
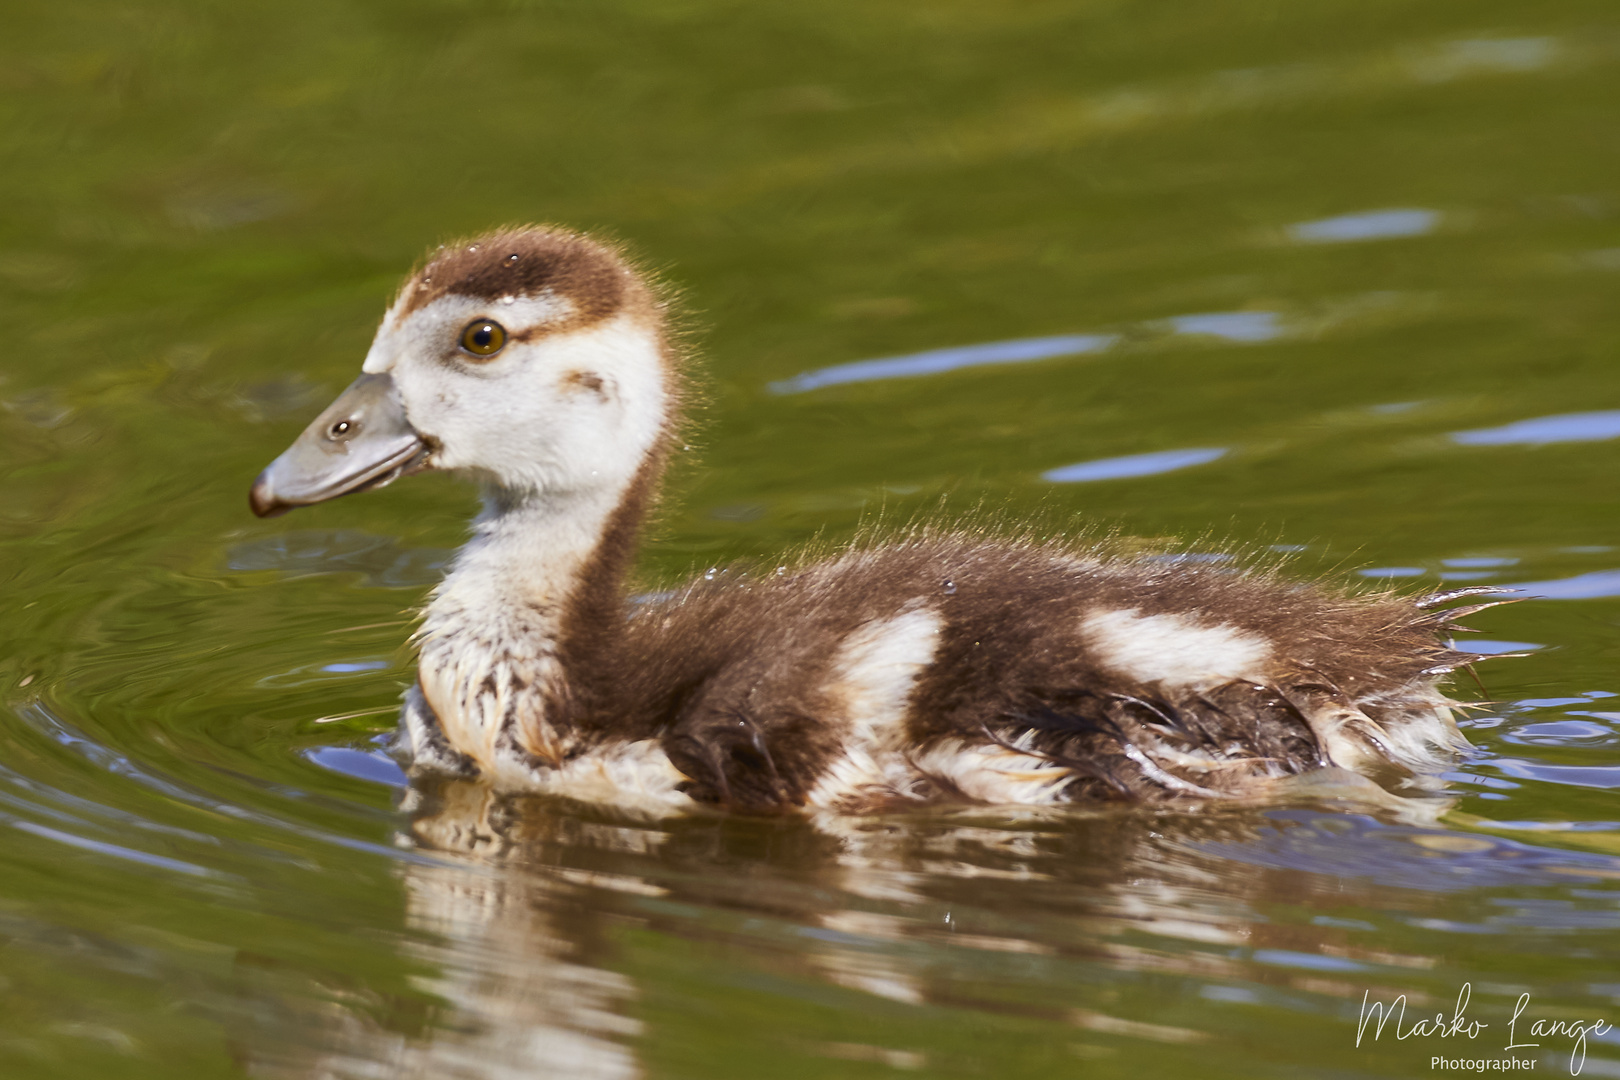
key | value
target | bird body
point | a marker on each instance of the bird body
(935, 666)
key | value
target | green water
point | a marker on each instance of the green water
(1396, 221)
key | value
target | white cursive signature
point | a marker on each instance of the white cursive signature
(1458, 1025)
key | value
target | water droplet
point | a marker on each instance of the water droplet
(950, 587)
(472, 247)
(710, 575)
(780, 570)
(511, 258)
(508, 299)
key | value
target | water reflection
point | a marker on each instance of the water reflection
(371, 765)
(1073, 921)
(1118, 468)
(1234, 327)
(1491, 647)
(1563, 733)
(1481, 56)
(513, 954)
(1592, 585)
(1310, 320)
(1589, 586)
(1239, 327)
(1543, 430)
(380, 560)
(935, 361)
(545, 936)
(1367, 225)
(1593, 776)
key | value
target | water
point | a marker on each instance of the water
(1358, 258)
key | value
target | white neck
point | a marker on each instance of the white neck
(493, 640)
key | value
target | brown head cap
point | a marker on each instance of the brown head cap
(530, 261)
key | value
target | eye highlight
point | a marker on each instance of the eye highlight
(483, 337)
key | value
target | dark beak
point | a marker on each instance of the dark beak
(361, 441)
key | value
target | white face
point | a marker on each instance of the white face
(553, 411)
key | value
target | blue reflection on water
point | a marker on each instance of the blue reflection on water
(37, 716)
(1357, 846)
(1563, 732)
(1368, 225)
(1565, 427)
(1592, 586)
(1592, 776)
(935, 361)
(116, 850)
(1238, 326)
(1309, 961)
(376, 767)
(1118, 468)
(1492, 648)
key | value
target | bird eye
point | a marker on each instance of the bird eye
(483, 337)
(342, 430)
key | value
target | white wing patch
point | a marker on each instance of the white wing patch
(873, 674)
(995, 774)
(1173, 650)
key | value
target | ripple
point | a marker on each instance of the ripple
(39, 717)
(1595, 585)
(935, 361)
(1560, 733)
(1235, 327)
(1242, 327)
(1492, 647)
(1587, 776)
(1119, 468)
(118, 851)
(317, 674)
(1308, 961)
(369, 765)
(1366, 225)
(1543, 430)
(381, 560)
(1432, 860)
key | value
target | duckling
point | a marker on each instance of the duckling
(934, 667)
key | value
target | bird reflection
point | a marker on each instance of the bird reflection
(519, 920)
(513, 955)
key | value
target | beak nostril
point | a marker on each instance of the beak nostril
(363, 440)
